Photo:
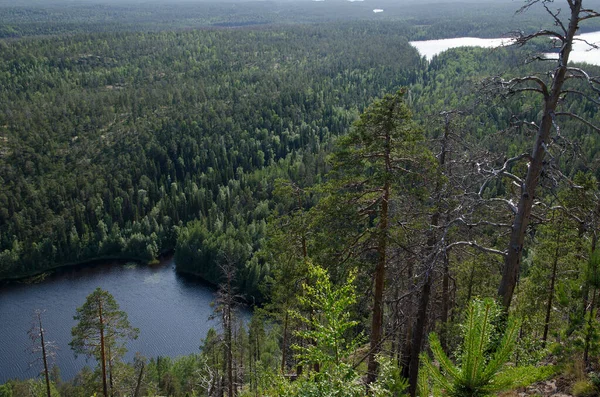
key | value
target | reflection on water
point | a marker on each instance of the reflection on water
(431, 48)
(581, 51)
(171, 311)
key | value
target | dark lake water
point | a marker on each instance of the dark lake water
(171, 311)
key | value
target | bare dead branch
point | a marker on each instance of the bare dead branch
(513, 83)
(593, 46)
(583, 94)
(528, 4)
(520, 39)
(557, 20)
(589, 14)
(509, 203)
(475, 245)
(579, 118)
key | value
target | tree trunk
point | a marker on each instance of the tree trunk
(284, 342)
(512, 261)
(434, 221)
(102, 350)
(420, 327)
(377, 319)
(417, 337)
(44, 357)
(588, 336)
(110, 373)
(229, 346)
(395, 348)
(139, 381)
(551, 288)
(445, 304)
(405, 358)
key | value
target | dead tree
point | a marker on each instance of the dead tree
(44, 349)
(553, 87)
(225, 306)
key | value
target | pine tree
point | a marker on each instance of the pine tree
(382, 156)
(101, 330)
(481, 357)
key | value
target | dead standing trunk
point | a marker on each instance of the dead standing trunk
(414, 341)
(228, 342)
(418, 335)
(590, 329)
(551, 288)
(44, 354)
(445, 303)
(139, 381)
(512, 261)
(102, 349)
(405, 354)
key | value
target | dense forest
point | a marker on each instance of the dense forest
(361, 197)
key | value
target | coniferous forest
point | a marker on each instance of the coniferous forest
(400, 227)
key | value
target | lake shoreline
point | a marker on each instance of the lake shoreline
(581, 53)
(173, 310)
(116, 259)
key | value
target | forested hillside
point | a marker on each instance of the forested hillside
(112, 141)
(403, 227)
(418, 20)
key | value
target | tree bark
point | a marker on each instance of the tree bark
(110, 373)
(377, 314)
(44, 357)
(418, 335)
(551, 288)
(102, 349)
(512, 261)
(445, 304)
(588, 336)
(406, 348)
(377, 320)
(284, 342)
(229, 346)
(139, 381)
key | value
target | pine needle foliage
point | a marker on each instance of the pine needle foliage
(480, 360)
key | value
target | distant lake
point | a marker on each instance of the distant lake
(580, 53)
(171, 311)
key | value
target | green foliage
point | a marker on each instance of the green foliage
(101, 330)
(329, 325)
(481, 357)
(390, 382)
(592, 270)
(29, 388)
(339, 381)
(100, 312)
(584, 388)
(414, 19)
(6, 390)
(114, 150)
(526, 375)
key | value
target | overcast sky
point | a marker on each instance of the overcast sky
(141, 2)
